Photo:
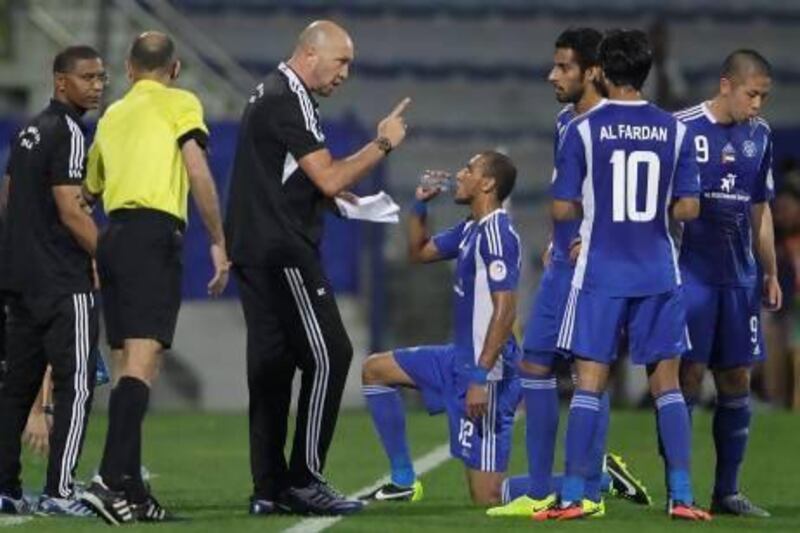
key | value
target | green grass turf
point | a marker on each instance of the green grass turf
(201, 463)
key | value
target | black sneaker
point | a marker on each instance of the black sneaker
(151, 511)
(624, 483)
(262, 507)
(318, 498)
(110, 505)
(11, 505)
(737, 504)
(395, 493)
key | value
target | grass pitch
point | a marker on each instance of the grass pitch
(200, 462)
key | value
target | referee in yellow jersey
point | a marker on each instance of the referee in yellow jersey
(148, 153)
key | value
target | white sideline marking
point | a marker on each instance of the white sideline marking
(6, 521)
(424, 464)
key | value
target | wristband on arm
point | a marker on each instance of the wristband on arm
(479, 376)
(420, 208)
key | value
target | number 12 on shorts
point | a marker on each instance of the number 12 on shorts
(626, 185)
(465, 431)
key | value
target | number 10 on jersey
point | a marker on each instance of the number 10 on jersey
(626, 185)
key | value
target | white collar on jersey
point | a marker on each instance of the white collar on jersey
(707, 112)
(628, 102)
(490, 215)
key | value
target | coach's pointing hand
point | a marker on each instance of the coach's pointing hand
(393, 127)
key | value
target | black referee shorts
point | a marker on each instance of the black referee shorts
(139, 260)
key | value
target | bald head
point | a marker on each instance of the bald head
(322, 34)
(322, 56)
(744, 63)
(152, 51)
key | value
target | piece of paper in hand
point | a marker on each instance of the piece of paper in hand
(374, 208)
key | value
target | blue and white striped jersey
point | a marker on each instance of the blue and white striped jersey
(564, 232)
(626, 161)
(488, 260)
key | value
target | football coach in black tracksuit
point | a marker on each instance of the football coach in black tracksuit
(283, 177)
(46, 271)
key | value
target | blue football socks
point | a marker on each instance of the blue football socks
(388, 415)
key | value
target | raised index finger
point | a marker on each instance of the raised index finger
(399, 108)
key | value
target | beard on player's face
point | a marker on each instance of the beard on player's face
(571, 95)
(570, 91)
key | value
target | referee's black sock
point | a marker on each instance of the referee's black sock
(135, 488)
(127, 407)
(111, 475)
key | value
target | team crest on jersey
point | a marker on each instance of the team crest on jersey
(749, 148)
(498, 270)
(29, 137)
(728, 154)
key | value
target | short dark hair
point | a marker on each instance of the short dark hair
(499, 167)
(584, 42)
(65, 60)
(626, 57)
(744, 61)
(152, 51)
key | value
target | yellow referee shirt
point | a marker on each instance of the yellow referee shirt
(135, 160)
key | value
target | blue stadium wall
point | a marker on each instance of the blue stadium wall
(342, 238)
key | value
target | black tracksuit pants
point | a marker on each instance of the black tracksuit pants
(60, 331)
(293, 322)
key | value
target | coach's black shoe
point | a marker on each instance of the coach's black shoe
(151, 511)
(11, 505)
(261, 507)
(110, 505)
(318, 498)
(72, 507)
(737, 504)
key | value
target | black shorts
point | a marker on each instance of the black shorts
(139, 260)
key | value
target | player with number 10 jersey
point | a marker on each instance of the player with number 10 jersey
(624, 168)
(627, 160)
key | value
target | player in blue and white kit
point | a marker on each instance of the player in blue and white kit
(575, 78)
(474, 378)
(624, 168)
(722, 291)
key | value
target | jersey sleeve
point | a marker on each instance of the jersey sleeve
(95, 176)
(448, 241)
(188, 117)
(571, 164)
(764, 189)
(298, 125)
(687, 173)
(500, 253)
(67, 164)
